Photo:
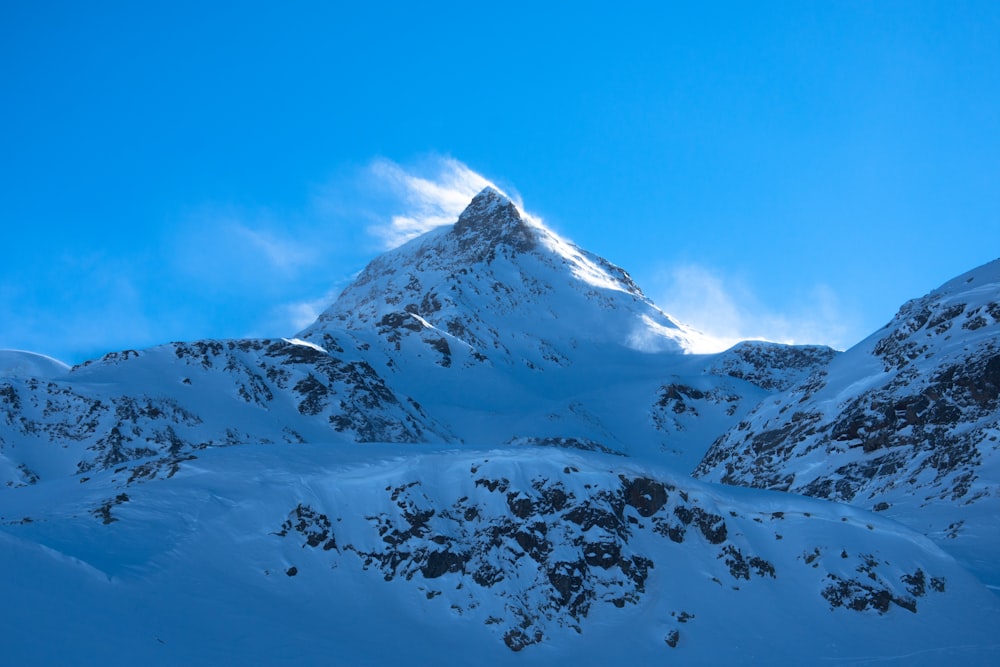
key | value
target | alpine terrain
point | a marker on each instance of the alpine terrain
(494, 448)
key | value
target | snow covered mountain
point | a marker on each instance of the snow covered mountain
(501, 288)
(492, 331)
(906, 423)
(483, 448)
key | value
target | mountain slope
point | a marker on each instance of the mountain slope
(770, 366)
(164, 403)
(260, 554)
(907, 422)
(509, 334)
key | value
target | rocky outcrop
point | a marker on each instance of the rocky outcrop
(561, 543)
(771, 366)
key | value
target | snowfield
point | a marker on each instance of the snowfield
(374, 555)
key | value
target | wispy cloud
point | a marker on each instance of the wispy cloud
(231, 271)
(300, 314)
(280, 252)
(226, 269)
(729, 310)
(234, 250)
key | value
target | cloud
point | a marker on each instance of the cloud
(225, 269)
(728, 310)
(233, 250)
(284, 254)
(300, 314)
(430, 195)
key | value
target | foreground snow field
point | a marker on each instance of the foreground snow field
(378, 555)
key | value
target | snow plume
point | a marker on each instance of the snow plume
(727, 310)
(431, 194)
(293, 260)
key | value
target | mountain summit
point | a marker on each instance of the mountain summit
(508, 289)
(492, 219)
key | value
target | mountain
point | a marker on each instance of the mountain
(481, 451)
(163, 404)
(905, 423)
(501, 288)
(491, 331)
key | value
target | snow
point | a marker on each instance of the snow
(19, 363)
(299, 341)
(581, 267)
(199, 554)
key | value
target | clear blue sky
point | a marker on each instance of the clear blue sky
(792, 170)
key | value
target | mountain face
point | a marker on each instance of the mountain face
(771, 366)
(906, 423)
(491, 431)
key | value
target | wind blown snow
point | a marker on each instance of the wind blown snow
(430, 200)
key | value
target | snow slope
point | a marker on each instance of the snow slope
(265, 554)
(19, 363)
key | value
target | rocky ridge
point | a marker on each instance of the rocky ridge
(176, 399)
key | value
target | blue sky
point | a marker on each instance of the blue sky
(796, 171)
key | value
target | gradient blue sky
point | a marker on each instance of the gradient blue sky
(795, 170)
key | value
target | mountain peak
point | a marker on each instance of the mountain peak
(489, 196)
(499, 283)
(491, 219)
(490, 204)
